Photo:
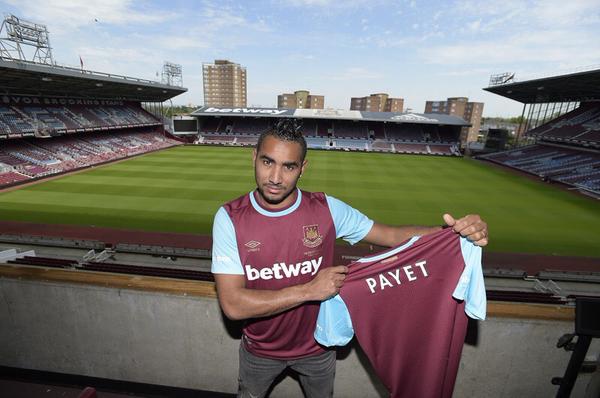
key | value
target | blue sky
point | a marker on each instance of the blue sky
(411, 49)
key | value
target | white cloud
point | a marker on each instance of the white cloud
(65, 15)
(559, 46)
(475, 25)
(334, 4)
(501, 14)
(310, 2)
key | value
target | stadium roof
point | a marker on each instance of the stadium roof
(580, 86)
(28, 78)
(393, 117)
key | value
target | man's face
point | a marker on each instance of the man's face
(277, 166)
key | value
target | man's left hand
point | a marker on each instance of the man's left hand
(471, 226)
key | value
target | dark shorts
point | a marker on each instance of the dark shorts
(257, 374)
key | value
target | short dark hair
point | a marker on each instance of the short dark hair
(285, 130)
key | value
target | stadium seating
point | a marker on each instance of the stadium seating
(323, 128)
(318, 142)
(580, 126)
(217, 139)
(35, 157)
(377, 130)
(425, 139)
(49, 120)
(350, 129)
(411, 148)
(440, 149)
(381, 146)
(250, 126)
(309, 128)
(11, 177)
(246, 140)
(211, 125)
(404, 132)
(353, 144)
(570, 166)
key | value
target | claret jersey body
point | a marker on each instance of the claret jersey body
(408, 308)
(274, 250)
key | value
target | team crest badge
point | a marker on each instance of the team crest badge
(312, 237)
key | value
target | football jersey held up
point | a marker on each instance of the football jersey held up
(408, 307)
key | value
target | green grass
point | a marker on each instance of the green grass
(180, 189)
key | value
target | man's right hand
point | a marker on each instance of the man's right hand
(327, 283)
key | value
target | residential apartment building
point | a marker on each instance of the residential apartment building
(224, 84)
(379, 102)
(301, 99)
(461, 107)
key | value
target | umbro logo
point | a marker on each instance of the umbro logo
(252, 245)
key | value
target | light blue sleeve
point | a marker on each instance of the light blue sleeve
(471, 287)
(334, 326)
(225, 254)
(350, 224)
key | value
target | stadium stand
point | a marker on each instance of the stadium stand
(580, 126)
(572, 166)
(376, 131)
(249, 126)
(352, 144)
(323, 128)
(309, 128)
(318, 142)
(404, 133)
(43, 134)
(410, 148)
(211, 125)
(406, 138)
(27, 158)
(250, 141)
(350, 129)
(438, 149)
(52, 120)
(382, 146)
(217, 139)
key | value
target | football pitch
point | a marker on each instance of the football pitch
(179, 190)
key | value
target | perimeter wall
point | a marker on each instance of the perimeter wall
(170, 332)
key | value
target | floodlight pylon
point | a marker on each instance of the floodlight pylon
(17, 34)
(501, 78)
(172, 74)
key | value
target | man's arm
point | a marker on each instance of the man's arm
(472, 227)
(238, 302)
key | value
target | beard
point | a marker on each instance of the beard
(274, 200)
